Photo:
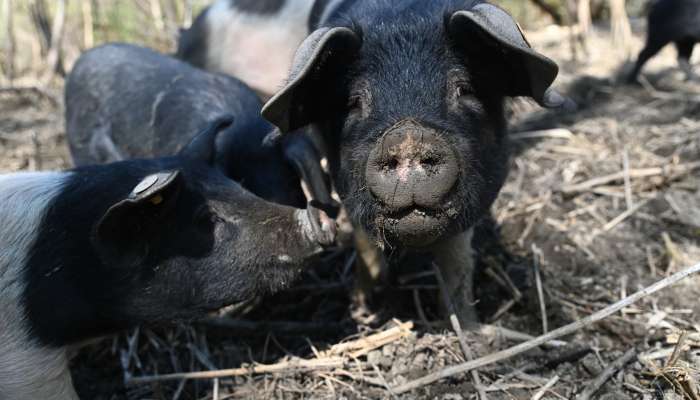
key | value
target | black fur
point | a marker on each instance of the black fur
(317, 11)
(207, 244)
(262, 7)
(151, 105)
(192, 44)
(671, 21)
(408, 67)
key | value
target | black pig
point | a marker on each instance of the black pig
(410, 96)
(90, 251)
(671, 21)
(124, 101)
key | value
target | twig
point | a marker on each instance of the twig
(673, 171)
(509, 334)
(607, 373)
(359, 347)
(620, 218)
(468, 355)
(538, 282)
(540, 393)
(284, 366)
(555, 334)
(557, 133)
(627, 180)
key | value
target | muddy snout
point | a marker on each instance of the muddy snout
(411, 166)
(411, 171)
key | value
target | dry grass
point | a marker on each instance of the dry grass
(604, 201)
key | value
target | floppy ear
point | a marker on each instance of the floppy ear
(202, 148)
(124, 232)
(302, 99)
(532, 73)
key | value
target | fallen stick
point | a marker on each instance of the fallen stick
(284, 366)
(607, 373)
(556, 133)
(468, 354)
(509, 334)
(673, 171)
(362, 346)
(540, 393)
(555, 334)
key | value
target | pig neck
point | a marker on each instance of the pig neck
(71, 295)
(28, 369)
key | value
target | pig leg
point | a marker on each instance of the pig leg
(652, 47)
(685, 51)
(369, 265)
(455, 258)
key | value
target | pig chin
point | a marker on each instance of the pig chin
(417, 227)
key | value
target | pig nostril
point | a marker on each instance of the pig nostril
(430, 161)
(389, 164)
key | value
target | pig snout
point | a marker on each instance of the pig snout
(411, 167)
(411, 172)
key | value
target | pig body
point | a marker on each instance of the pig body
(409, 95)
(124, 101)
(90, 251)
(671, 21)
(253, 40)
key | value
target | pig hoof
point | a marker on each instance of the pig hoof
(322, 227)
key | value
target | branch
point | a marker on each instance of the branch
(555, 334)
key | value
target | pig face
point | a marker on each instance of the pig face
(412, 99)
(157, 240)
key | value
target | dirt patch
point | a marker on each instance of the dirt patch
(606, 200)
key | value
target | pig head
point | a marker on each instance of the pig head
(410, 97)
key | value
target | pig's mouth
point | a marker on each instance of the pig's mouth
(417, 226)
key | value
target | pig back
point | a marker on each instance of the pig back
(124, 101)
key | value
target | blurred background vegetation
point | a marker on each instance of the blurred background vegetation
(42, 38)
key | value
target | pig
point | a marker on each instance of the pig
(253, 40)
(676, 21)
(409, 95)
(97, 249)
(124, 101)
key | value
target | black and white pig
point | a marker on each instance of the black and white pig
(253, 40)
(94, 250)
(671, 21)
(125, 101)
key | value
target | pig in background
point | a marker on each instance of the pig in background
(125, 101)
(253, 40)
(671, 21)
(409, 96)
(97, 249)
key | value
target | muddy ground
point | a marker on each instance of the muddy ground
(593, 241)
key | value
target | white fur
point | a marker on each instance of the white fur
(27, 369)
(257, 49)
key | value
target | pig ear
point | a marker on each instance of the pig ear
(202, 148)
(123, 234)
(533, 73)
(303, 98)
